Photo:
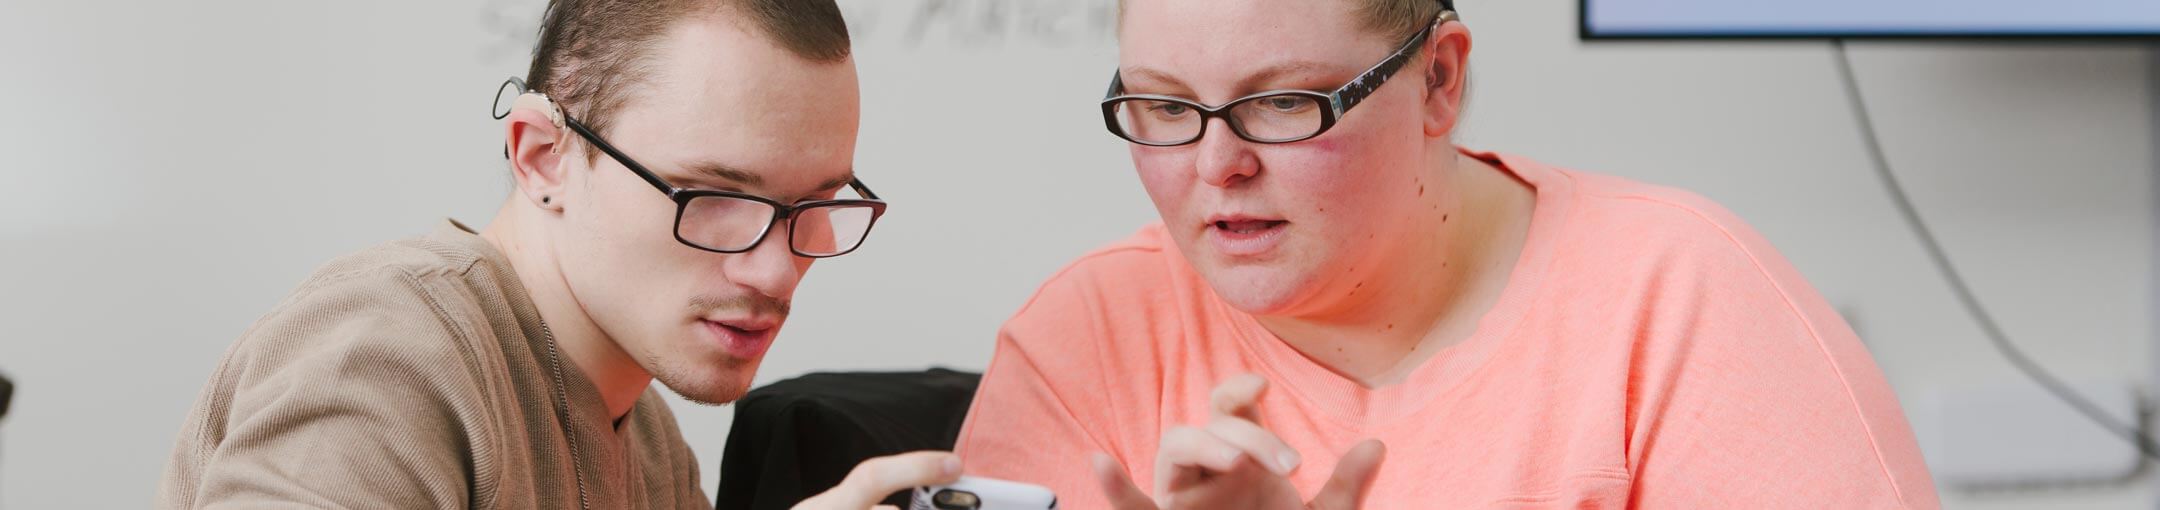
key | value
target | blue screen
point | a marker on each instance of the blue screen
(1832, 18)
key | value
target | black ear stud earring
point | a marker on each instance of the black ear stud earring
(544, 200)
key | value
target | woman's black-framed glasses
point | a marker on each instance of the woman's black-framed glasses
(1275, 116)
(733, 222)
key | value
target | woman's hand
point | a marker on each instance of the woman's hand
(1234, 462)
(874, 479)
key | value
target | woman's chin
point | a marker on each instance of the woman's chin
(1259, 289)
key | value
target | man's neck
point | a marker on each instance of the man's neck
(516, 233)
(1432, 292)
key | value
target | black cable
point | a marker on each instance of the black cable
(7, 394)
(2134, 434)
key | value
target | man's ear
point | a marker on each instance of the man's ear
(535, 143)
(1446, 56)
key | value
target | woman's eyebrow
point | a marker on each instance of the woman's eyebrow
(1151, 74)
(1275, 72)
(1266, 75)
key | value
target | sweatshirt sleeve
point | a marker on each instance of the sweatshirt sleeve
(1749, 391)
(349, 395)
(1046, 404)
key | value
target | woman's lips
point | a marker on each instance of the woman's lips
(1247, 227)
(1245, 237)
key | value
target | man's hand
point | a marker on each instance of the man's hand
(1233, 462)
(874, 479)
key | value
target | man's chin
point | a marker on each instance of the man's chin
(712, 394)
(714, 386)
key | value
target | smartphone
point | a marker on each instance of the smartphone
(972, 493)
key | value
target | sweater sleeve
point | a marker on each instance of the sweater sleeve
(356, 393)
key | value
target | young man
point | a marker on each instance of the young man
(679, 164)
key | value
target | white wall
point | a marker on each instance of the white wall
(171, 169)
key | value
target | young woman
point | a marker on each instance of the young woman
(1332, 274)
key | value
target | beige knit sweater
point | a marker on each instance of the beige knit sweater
(417, 374)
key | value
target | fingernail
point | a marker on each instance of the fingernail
(1287, 461)
(952, 466)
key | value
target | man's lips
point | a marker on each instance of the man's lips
(743, 338)
(751, 324)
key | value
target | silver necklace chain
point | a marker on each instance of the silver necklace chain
(562, 415)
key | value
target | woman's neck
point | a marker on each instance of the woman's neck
(1433, 291)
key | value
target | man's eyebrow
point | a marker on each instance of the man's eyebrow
(723, 171)
(837, 182)
(746, 179)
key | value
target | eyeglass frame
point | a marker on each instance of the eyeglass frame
(683, 196)
(1339, 102)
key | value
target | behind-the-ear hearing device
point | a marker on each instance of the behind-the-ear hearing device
(528, 98)
(541, 102)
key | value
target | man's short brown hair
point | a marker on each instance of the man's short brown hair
(594, 53)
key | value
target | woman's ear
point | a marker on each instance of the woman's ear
(535, 142)
(1446, 56)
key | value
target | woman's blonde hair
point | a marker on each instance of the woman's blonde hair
(1396, 19)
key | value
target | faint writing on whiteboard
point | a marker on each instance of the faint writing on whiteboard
(913, 23)
(514, 25)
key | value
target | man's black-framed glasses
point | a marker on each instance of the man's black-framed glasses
(734, 222)
(1275, 116)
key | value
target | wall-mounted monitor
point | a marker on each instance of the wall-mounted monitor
(1787, 19)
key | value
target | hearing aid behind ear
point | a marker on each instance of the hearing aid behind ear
(554, 113)
(541, 102)
(527, 98)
